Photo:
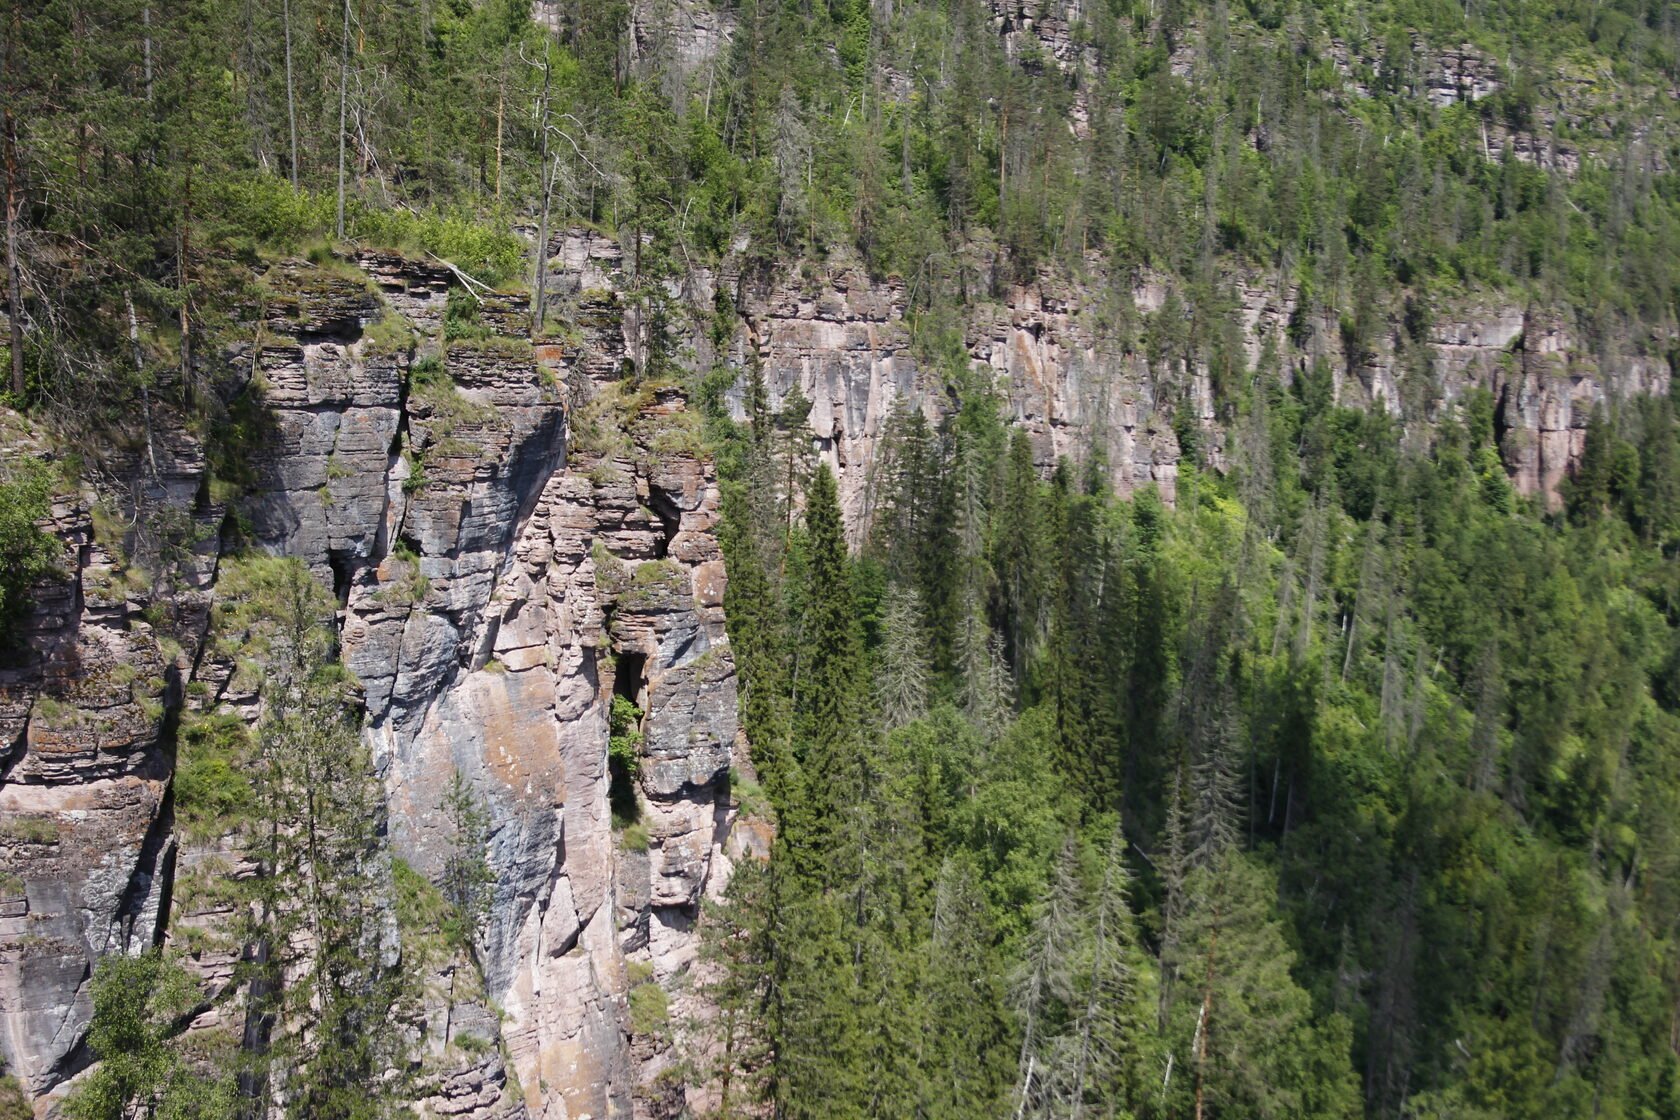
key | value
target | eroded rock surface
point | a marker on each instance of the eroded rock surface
(1055, 350)
(495, 599)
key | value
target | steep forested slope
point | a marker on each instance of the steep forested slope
(884, 558)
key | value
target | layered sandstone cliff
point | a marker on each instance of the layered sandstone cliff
(501, 580)
(1070, 361)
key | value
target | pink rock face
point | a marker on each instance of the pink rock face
(841, 341)
(557, 576)
(530, 582)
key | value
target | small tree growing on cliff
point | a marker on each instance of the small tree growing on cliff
(468, 881)
(138, 1004)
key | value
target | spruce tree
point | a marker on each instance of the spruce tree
(829, 677)
(325, 993)
(902, 676)
(1017, 558)
(731, 1043)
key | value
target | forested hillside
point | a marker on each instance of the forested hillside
(840, 558)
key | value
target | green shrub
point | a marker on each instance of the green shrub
(213, 791)
(679, 433)
(605, 474)
(624, 766)
(485, 252)
(267, 210)
(653, 582)
(13, 1104)
(624, 739)
(486, 342)
(429, 382)
(473, 1044)
(26, 552)
(389, 334)
(750, 798)
(650, 1009)
(426, 370)
(421, 906)
(407, 583)
(460, 316)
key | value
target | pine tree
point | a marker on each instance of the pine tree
(1073, 677)
(1102, 1066)
(1083, 1000)
(1043, 981)
(1016, 554)
(964, 1056)
(902, 676)
(829, 670)
(731, 1046)
(1244, 1034)
(468, 880)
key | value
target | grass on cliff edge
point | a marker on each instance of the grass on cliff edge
(269, 212)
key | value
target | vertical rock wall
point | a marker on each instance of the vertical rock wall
(1067, 357)
(496, 594)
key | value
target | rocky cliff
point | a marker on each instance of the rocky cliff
(1070, 358)
(514, 539)
(516, 536)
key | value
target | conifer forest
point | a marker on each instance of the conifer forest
(840, 559)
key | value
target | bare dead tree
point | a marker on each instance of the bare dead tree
(14, 201)
(343, 111)
(291, 91)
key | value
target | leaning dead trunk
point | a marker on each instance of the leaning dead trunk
(291, 91)
(539, 283)
(14, 210)
(343, 108)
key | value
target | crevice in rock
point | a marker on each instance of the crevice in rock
(150, 864)
(76, 1059)
(570, 941)
(486, 647)
(624, 734)
(678, 918)
(341, 574)
(665, 508)
(723, 804)
(1502, 423)
(166, 893)
(345, 331)
(13, 752)
(630, 676)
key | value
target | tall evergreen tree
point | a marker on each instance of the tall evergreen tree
(830, 671)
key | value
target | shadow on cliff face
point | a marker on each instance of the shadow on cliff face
(624, 723)
(669, 513)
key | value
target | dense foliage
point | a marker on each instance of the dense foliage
(1348, 784)
(149, 152)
